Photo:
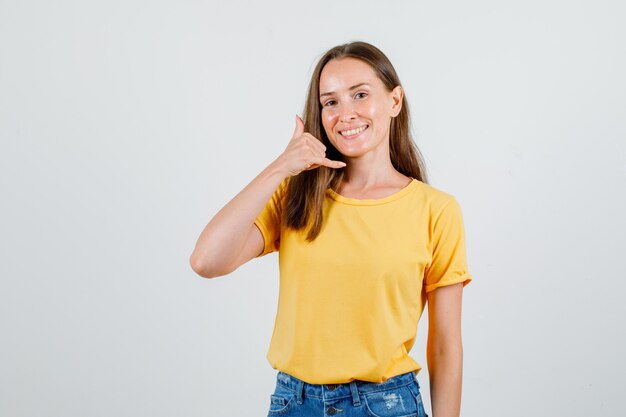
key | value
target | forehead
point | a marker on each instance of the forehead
(341, 74)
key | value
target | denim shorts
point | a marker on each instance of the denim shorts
(398, 396)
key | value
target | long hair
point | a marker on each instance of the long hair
(305, 192)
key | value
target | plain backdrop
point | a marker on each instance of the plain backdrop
(126, 125)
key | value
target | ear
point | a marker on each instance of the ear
(396, 95)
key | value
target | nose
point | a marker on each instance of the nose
(347, 113)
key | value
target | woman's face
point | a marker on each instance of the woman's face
(353, 97)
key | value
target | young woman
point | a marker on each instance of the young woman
(364, 244)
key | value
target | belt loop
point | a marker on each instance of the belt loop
(300, 391)
(356, 401)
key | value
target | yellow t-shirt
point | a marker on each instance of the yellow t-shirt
(350, 301)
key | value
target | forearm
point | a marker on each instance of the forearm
(224, 236)
(445, 368)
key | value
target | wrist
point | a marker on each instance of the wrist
(277, 168)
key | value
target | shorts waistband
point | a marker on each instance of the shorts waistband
(338, 391)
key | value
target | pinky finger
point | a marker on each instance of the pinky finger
(333, 164)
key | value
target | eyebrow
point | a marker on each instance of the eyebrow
(351, 88)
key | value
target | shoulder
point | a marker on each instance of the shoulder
(435, 198)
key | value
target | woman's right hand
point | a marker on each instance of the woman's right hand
(305, 152)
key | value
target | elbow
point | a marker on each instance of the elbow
(208, 268)
(203, 268)
(444, 351)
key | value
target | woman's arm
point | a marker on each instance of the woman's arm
(231, 238)
(444, 350)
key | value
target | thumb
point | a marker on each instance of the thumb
(299, 127)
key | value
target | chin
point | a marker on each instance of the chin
(353, 153)
(353, 148)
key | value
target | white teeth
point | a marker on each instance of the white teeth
(353, 131)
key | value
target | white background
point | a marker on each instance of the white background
(126, 125)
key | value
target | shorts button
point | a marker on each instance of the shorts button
(332, 387)
(332, 410)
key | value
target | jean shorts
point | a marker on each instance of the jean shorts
(398, 396)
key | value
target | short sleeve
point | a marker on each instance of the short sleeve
(269, 220)
(449, 263)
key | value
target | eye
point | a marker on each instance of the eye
(329, 101)
(361, 93)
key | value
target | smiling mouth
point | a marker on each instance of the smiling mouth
(349, 134)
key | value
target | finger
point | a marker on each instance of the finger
(330, 163)
(316, 143)
(299, 127)
(317, 148)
